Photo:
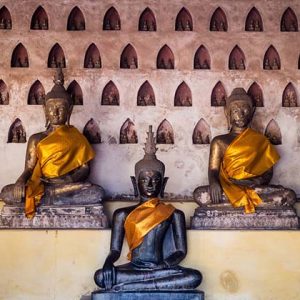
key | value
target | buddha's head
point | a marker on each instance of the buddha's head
(149, 181)
(239, 109)
(58, 103)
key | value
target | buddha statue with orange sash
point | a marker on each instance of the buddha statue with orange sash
(241, 163)
(156, 236)
(57, 160)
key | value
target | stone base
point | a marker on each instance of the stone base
(55, 217)
(149, 295)
(269, 218)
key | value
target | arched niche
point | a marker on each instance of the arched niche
(218, 95)
(145, 96)
(91, 131)
(273, 133)
(92, 57)
(129, 58)
(237, 60)
(147, 21)
(4, 95)
(218, 21)
(111, 20)
(56, 57)
(165, 58)
(75, 92)
(184, 21)
(16, 132)
(110, 95)
(256, 94)
(76, 20)
(128, 133)
(272, 59)
(39, 20)
(289, 21)
(183, 95)
(289, 96)
(201, 134)
(202, 59)
(19, 57)
(254, 21)
(36, 95)
(5, 18)
(165, 133)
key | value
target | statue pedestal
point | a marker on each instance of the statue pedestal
(149, 295)
(227, 217)
(55, 217)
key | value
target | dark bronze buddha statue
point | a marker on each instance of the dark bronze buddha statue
(156, 236)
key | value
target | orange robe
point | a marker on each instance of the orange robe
(61, 152)
(143, 219)
(249, 155)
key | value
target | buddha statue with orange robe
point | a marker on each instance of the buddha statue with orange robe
(57, 160)
(241, 163)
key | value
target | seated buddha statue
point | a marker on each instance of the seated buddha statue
(241, 163)
(57, 160)
(155, 233)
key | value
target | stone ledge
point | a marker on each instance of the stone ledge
(229, 218)
(55, 217)
(149, 295)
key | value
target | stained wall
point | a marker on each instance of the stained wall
(186, 163)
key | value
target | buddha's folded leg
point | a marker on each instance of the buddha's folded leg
(276, 195)
(7, 195)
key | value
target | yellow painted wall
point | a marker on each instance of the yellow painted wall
(59, 265)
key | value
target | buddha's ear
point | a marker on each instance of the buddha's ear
(134, 184)
(227, 115)
(164, 183)
(69, 114)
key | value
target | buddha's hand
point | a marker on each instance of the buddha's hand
(244, 182)
(108, 274)
(19, 191)
(215, 190)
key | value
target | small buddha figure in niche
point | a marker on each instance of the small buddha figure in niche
(128, 134)
(197, 64)
(90, 63)
(164, 136)
(117, 25)
(62, 63)
(290, 99)
(251, 25)
(44, 25)
(53, 63)
(257, 26)
(179, 26)
(107, 25)
(222, 26)
(40, 97)
(151, 26)
(2, 24)
(241, 163)
(18, 133)
(258, 100)
(36, 24)
(273, 137)
(242, 65)
(170, 64)
(233, 64)
(25, 63)
(275, 65)
(214, 26)
(57, 161)
(133, 64)
(91, 132)
(145, 26)
(219, 99)
(8, 24)
(162, 64)
(187, 26)
(205, 65)
(3, 98)
(267, 64)
(110, 98)
(155, 233)
(97, 63)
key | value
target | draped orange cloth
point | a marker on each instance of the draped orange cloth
(143, 219)
(249, 155)
(61, 152)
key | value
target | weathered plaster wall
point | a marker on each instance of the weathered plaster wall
(59, 265)
(186, 164)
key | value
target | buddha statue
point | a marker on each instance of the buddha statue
(155, 233)
(241, 163)
(57, 160)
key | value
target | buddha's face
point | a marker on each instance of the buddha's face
(57, 111)
(150, 183)
(240, 113)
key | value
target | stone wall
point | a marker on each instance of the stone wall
(186, 163)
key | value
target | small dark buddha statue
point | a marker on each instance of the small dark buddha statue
(155, 233)
(57, 160)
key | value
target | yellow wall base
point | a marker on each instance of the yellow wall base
(241, 265)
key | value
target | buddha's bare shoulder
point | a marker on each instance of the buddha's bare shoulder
(221, 140)
(37, 137)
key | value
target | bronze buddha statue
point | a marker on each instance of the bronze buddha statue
(156, 236)
(241, 163)
(57, 160)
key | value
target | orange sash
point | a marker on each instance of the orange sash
(249, 155)
(62, 151)
(143, 219)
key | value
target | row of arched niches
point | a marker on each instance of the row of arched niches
(147, 20)
(165, 58)
(146, 96)
(128, 133)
